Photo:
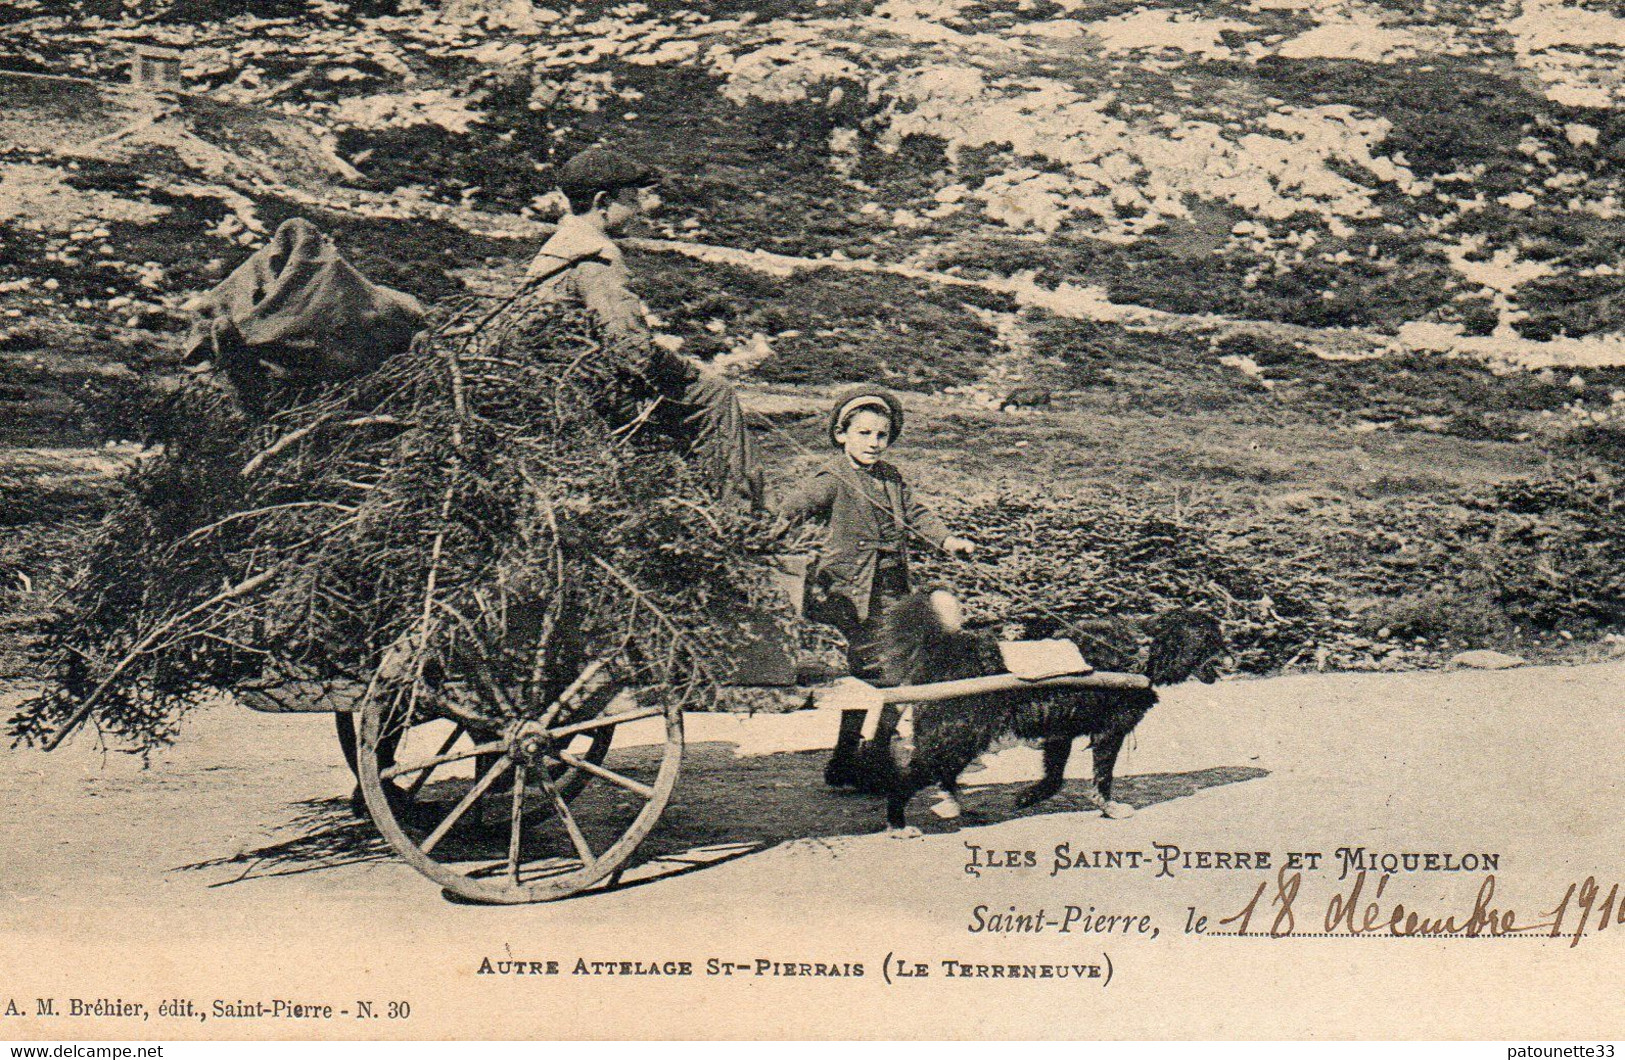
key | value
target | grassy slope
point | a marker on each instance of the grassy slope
(1301, 453)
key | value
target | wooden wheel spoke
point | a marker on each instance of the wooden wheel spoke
(571, 694)
(441, 759)
(422, 778)
(518, 821)
(577, 839)
(600, 772)
(480, 786)
(606, 721)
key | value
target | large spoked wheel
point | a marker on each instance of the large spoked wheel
(526, 813)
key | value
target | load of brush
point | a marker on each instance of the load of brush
(489, 512)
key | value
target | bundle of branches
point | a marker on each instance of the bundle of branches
(1360, 585)
(1052, 563)
(474, 522)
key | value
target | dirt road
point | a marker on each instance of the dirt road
(232, 870)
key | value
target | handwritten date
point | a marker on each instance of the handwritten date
(1361, 908)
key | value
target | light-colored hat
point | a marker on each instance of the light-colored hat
(877, 398)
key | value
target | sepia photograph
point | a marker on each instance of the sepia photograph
(812, 519)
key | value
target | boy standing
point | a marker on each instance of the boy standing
(862, 568)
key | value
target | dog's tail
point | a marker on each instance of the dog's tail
(1184, 643)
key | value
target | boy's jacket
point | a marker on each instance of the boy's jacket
(868, 512)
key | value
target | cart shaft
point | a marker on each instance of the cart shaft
(972, 686)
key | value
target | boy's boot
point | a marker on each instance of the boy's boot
(842, 770)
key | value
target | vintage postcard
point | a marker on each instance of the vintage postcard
(833, 519)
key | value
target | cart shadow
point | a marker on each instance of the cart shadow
(327, 834)
(747, 804)
(727, 806)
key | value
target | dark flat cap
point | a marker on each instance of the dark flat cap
(602, 169)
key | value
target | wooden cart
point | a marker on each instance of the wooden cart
(512, 803)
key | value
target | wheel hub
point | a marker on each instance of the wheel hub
(529, 742)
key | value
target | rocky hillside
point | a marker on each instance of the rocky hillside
(1436, 172)
(1314, 227)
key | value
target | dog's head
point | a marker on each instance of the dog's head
(924, 637)
(924, 616)
(1185, 644)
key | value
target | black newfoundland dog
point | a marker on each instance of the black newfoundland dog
(924, 642)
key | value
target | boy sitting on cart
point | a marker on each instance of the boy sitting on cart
(580, 262)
